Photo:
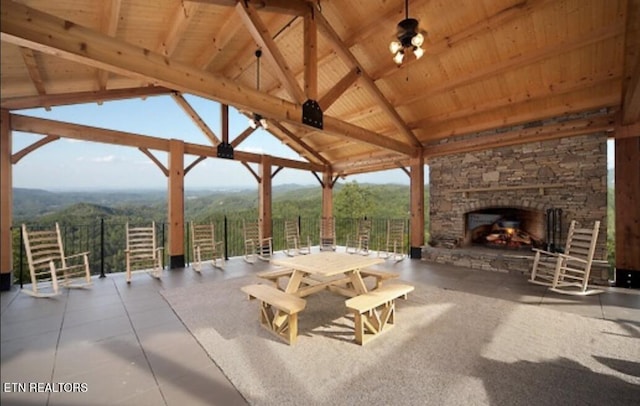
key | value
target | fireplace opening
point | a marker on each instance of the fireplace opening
(505, 228)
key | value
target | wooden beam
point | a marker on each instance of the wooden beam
(195, 117)
(260, 33)
(34, 71)
(348, 58)
(627, 196)
(627, 131)
(15, 158)
(297, 141)
(417, 207)
(155, 160)
(193, 164)
(25, 26)
(6, 202)
(293, 7)
(221, 38)
(82, 132)
(265, 198)
(109, 26)
(631, 105)
(182, 17)
(310, 56)
(224, 115)
(339, 88)
(31, 102)
(242, 136)
(175, 204)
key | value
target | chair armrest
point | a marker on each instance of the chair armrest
(552, 254)
(81, 254)
(569, 257)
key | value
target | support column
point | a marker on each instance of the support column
(327, 194)
(417, 207)
(266, 230)
(627, 192)
(6, 201)
(176, 204)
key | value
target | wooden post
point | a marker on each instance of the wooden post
(417, 207)
(265, 198)
(310, 56)
(327, 194)
(176, 204)
(627, 192)
(6, 201)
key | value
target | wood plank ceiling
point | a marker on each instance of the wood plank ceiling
(494, 71)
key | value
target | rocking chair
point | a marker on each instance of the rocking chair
(293, 241)
(360, 244)
(254, 245)
(327, 234)
(142, 251)
(568, 272)
(394, 247)
(49, 267)
(205, 246)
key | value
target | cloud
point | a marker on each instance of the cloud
(98, 159)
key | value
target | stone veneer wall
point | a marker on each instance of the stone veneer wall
(576, 166)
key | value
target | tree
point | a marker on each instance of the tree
(353, 201)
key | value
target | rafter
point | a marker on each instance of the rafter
(345, 54)
(109, 26)
(25, 26)
(221, 38)
(260, 33)
(293, 7)
(30, 62)
(29, 102)
(199, 122)
(168, 42)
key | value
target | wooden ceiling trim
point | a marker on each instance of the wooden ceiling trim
(524, 136)
(456, 129)
(350, 60)
(22, 25)
(553, 89)
(260, 33)
(109, 20)
(526, 58)
(30, 102)
(195, 117)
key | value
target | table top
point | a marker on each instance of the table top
(327, 263)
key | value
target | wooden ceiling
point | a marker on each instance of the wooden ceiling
(495, 72)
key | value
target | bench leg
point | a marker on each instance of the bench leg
(371, 324)
(280, 323)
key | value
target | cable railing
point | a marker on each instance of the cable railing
(106, 242)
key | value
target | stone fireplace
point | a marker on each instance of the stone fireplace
(489, 208)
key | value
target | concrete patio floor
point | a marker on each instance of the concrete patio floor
(123, 344)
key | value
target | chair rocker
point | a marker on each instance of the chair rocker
(142, 252)
(254, 245)
(360, 244)
(394, 248)
(293, 241)
(49, 267)
(568, 272)
(327, 234)
(205, 246)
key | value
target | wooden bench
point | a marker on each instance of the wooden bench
(275, 275)
(374, 311)
(380, 276)
(278, 310)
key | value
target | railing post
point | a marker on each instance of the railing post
(186, 249)
(226, 240)
(102, 275)
(163, 246)
(21, 257)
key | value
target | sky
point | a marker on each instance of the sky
(68, 164)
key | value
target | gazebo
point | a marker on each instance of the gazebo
(483, 92)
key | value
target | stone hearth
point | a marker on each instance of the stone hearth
(567, 175)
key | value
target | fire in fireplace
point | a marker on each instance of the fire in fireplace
(506, 228)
